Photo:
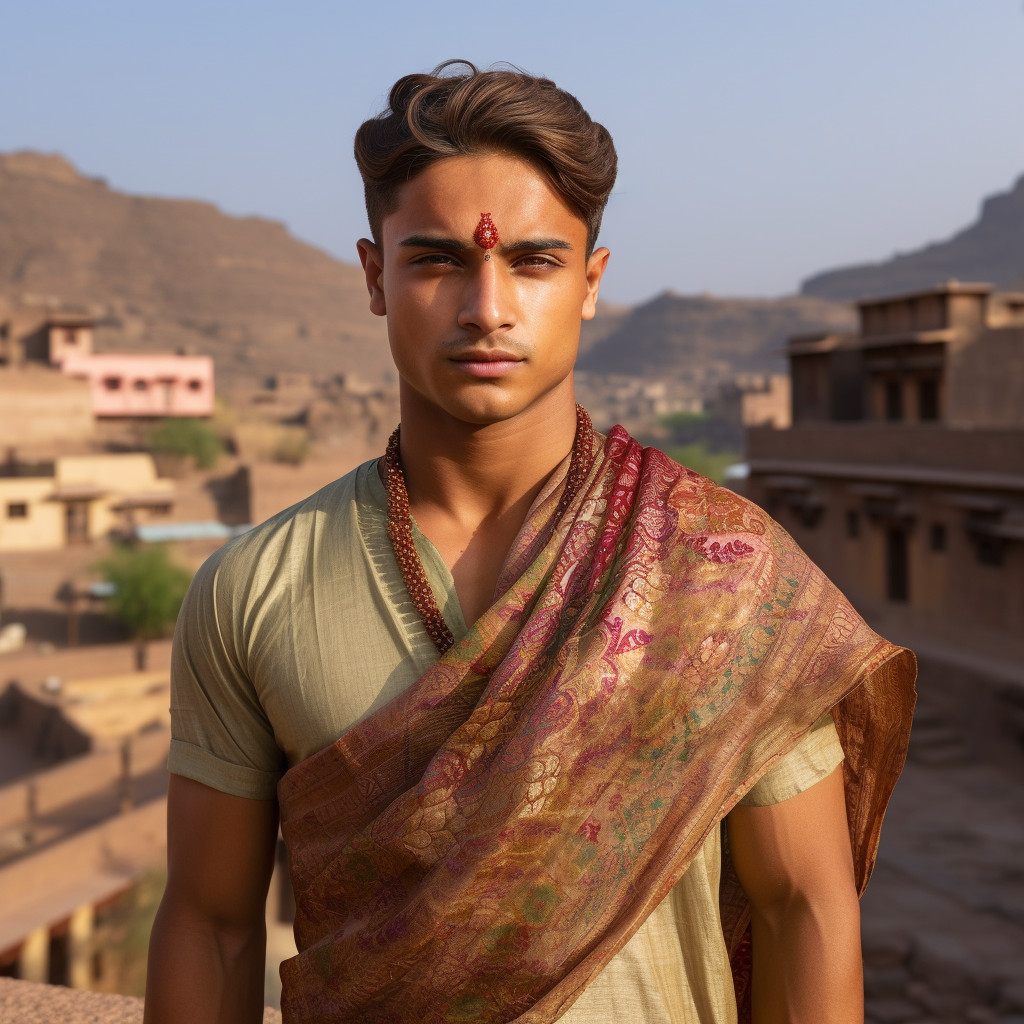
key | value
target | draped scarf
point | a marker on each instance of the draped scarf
(479, 848)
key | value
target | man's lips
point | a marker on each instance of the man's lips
(487, 362)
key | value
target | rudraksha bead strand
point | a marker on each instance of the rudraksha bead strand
(400, 523)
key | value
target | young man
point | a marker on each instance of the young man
(505, 684)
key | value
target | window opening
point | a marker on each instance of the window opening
(893, 400)
(897, 567)
(990, 550)
(928, 400)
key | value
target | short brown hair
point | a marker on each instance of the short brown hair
(430, 117)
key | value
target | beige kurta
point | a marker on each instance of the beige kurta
(302, 627)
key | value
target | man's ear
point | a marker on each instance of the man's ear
(596, 265)
(373, 269)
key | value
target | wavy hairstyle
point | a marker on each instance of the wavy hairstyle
(430, 117)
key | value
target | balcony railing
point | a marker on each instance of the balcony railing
(929, 450)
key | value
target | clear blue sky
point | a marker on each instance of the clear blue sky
(759, 141)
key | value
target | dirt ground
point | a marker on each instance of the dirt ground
(943, 916)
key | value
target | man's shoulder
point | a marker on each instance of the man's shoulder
(271, 545)
(702, 504)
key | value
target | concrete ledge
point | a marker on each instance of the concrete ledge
(29, 1003)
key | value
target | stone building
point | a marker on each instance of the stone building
(67, 335)
(748, 400)
(903, 472)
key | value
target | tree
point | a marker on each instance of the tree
(186, 436)
(148, 590)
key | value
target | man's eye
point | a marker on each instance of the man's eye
(537, 261)
(434, 259)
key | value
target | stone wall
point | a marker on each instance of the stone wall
(40, 408)
(30, 1003)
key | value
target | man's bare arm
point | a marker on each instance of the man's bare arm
(208, 947)
(794, 861)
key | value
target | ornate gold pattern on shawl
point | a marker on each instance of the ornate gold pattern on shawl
(479, 848)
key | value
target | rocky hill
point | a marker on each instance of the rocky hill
(706, 339)
(165, 274)
(991, 249)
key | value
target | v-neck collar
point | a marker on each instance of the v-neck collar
(439, 575)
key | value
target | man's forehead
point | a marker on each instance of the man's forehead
(451, 197)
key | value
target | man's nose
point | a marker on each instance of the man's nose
(488, 300)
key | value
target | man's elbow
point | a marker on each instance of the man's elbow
(203, 969)
(819, 906)
(230, 937)
(828, 915)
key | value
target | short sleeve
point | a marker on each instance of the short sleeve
(220, 734)
(817, 754)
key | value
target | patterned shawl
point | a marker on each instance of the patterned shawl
(478, 849)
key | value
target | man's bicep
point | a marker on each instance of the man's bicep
(799, 848)
(220, 852)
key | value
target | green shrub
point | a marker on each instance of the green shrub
(148, 591)
(185, 436)
(702, 459)
(682, 421)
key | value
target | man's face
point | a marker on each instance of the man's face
(482, 334)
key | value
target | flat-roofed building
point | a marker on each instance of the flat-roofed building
(903, 472)
(77, 499)
(133, 385)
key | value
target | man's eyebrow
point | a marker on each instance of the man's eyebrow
(535, 245)
(433, 242)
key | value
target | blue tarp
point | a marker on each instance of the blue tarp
(162, 533)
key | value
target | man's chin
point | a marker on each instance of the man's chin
(475, 416)
(484, 410)
(480, 405)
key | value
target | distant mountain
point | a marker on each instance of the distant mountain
(162, 274)
(991, 249)
(706, 338)
(608, 318)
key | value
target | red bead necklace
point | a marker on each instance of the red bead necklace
(400, 523)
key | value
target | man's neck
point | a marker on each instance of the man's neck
(470, 474)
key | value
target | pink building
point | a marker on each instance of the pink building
(144, 385)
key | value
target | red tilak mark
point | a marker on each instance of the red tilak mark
(486, 234)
